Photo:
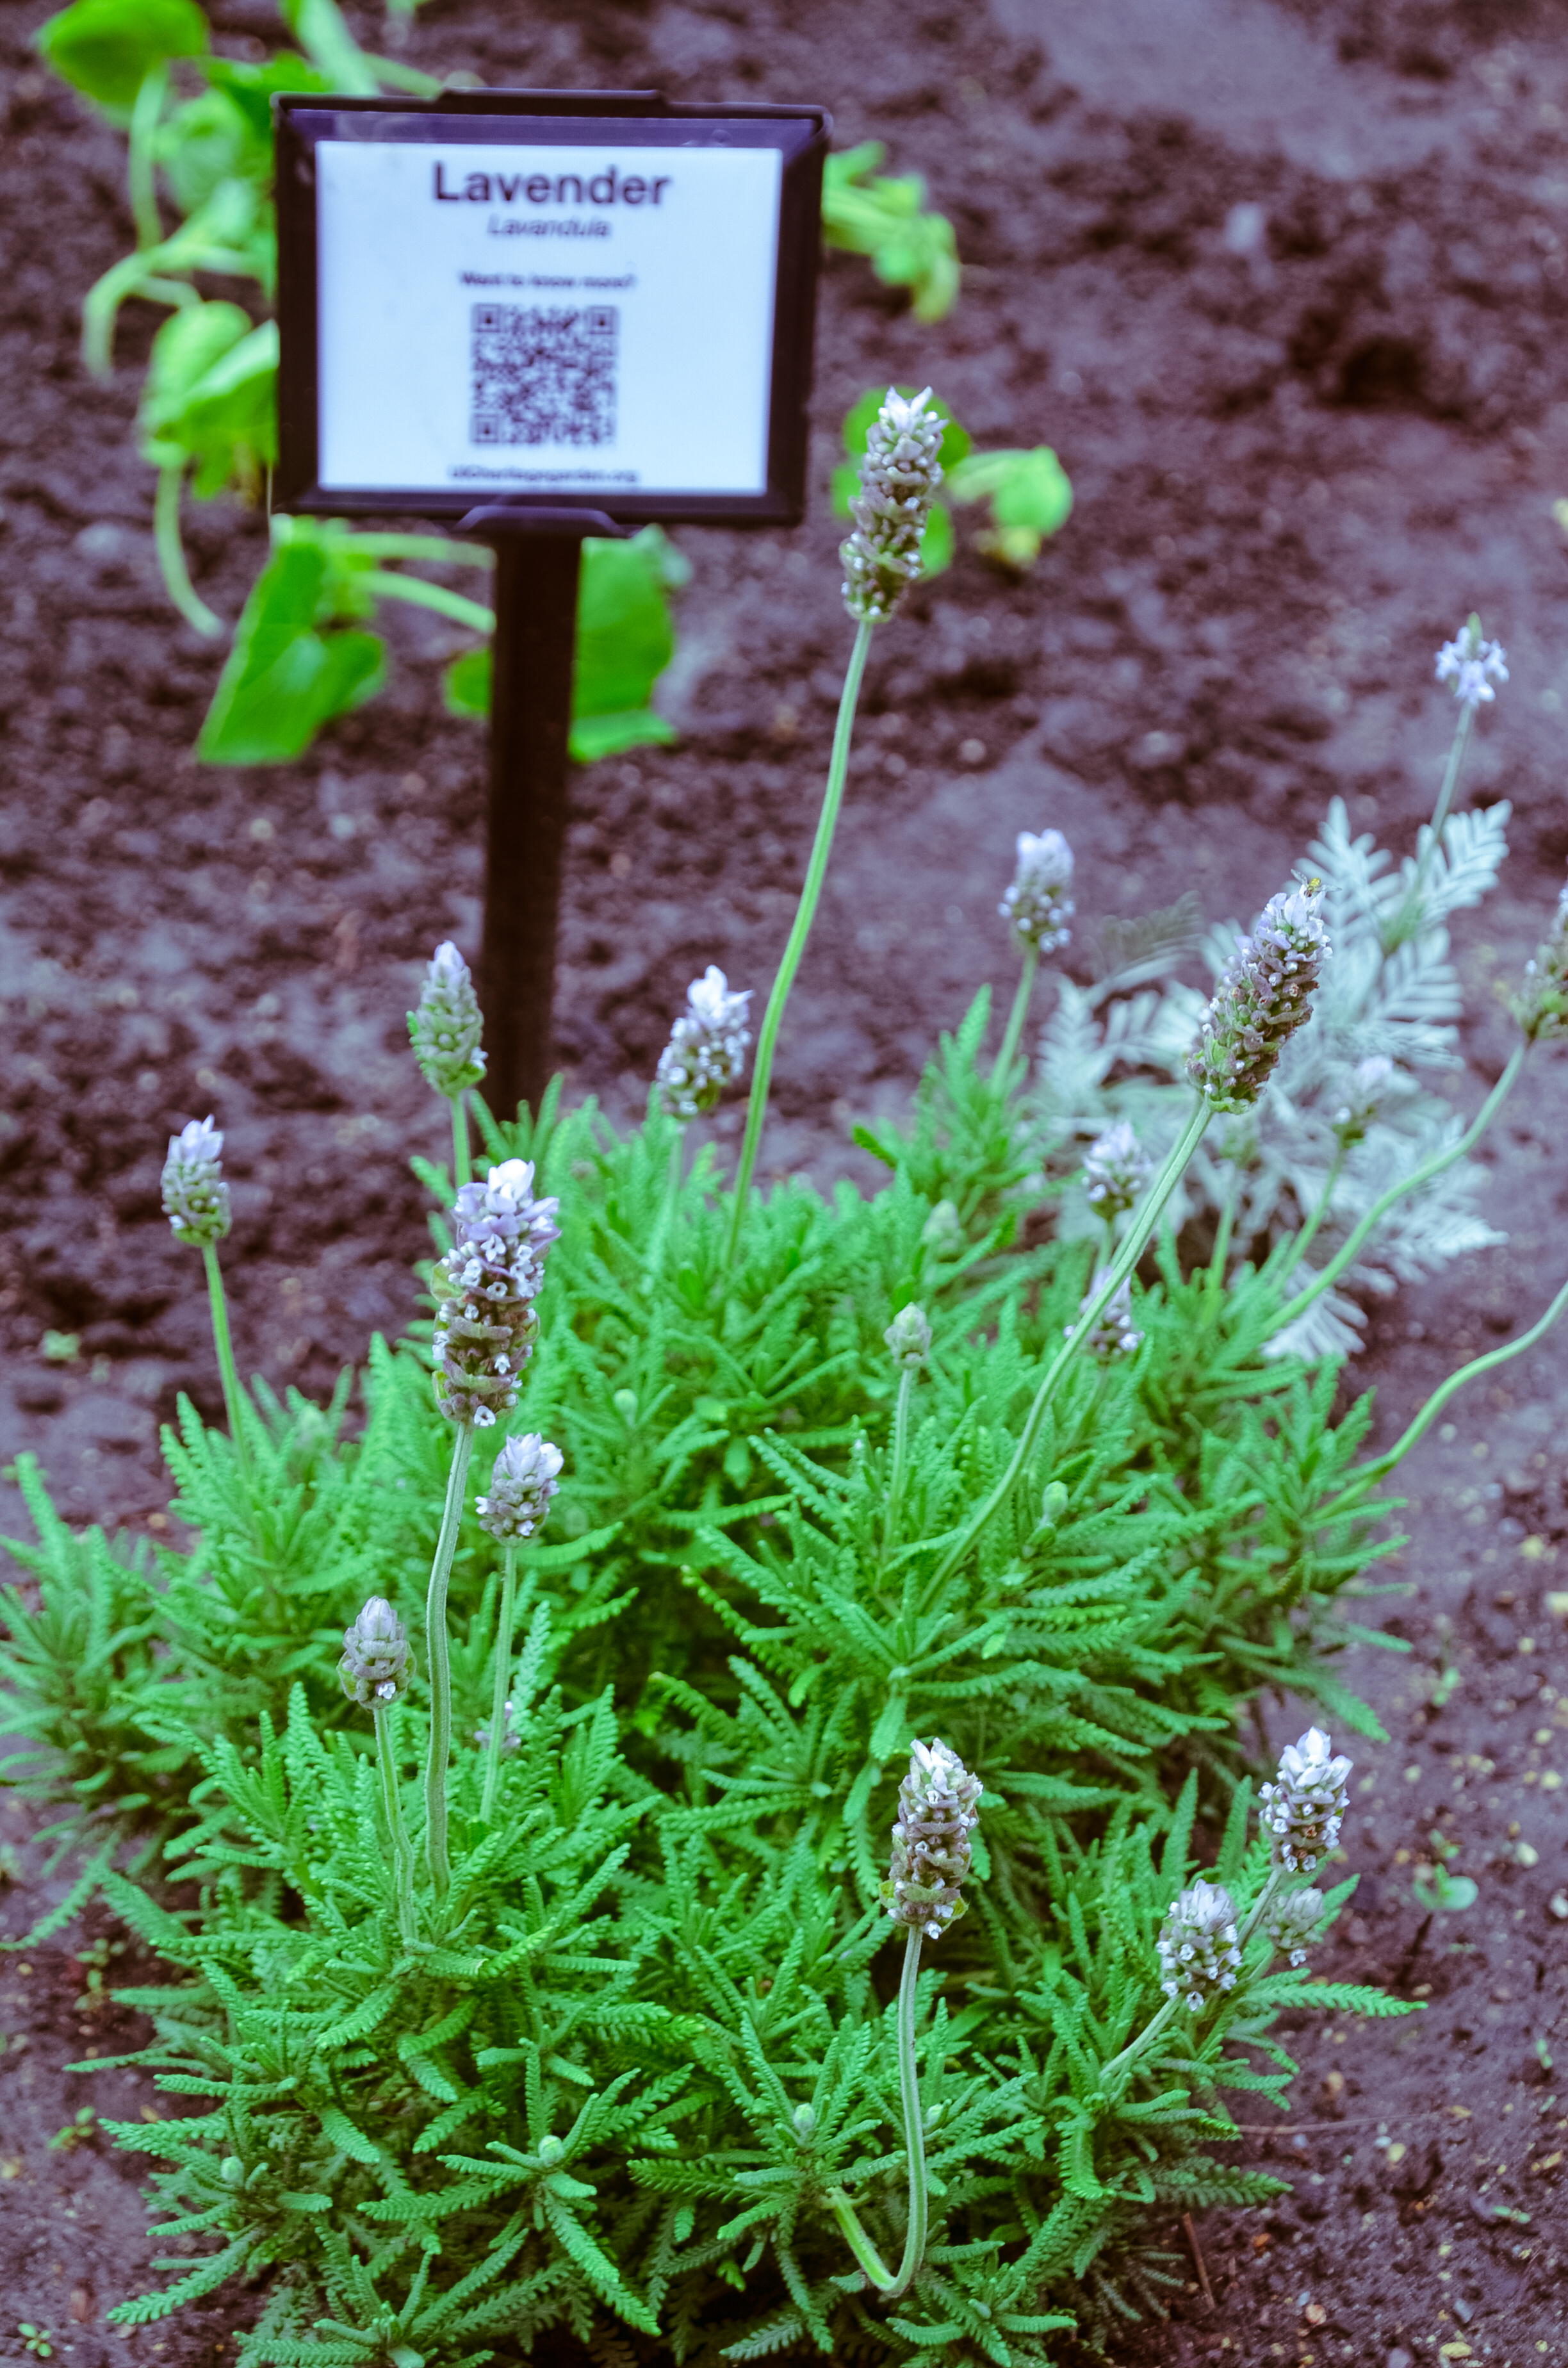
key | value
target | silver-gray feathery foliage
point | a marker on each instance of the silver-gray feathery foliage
(524, 1480)
(707, 1049)
(1113, 1332)
(938, 1811)
(1198, 1951)
(1541, 1005)
(446, 1028)
(485, 1288)
(908, 1338)
(377, 1668)
(196, 1199)
(1038, 902)
(1292, 1921)
(1116, 1169)
(1303, 1808)
(1265, 996)
(898, 476)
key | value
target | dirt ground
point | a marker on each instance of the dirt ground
(1286, 289)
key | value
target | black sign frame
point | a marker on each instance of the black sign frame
(564, 118)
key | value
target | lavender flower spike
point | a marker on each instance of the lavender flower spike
(521, 1486)
(1293, 1922)
(486, 1287)
(1472, 664)
(936, 1814)
(377, 1668)
(1541, 1005)
(1199, 1953)
(707, 1048)
(908, 1338)
(1038, 904)
(898, 476)
(1114, 1334)
(1304, 1807)
(1116, 1169)
(446, 1028)
(1263, 997)
(196, 1199)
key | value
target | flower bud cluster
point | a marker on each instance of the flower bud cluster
(1113, 1332)
(1116, 1169)
(1199, 1952)
(1541, 1008)
(943, 1233)
(1292, 1923)
(377, 1668)
(1039, 903)
(511, 1730)
(908, 1338)
(1263, 997)
(937, 1812)
(898, 476)
(1369, 1081)
(1472, 664)
(486, 1287)
(446, 1028)
(1305, 1805)
(522, 1483)
(196, 1199)
(707, 1048)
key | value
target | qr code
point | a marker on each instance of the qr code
(544, 374)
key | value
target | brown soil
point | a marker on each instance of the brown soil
(1297, 467)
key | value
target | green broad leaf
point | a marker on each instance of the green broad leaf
(286, 675)
(1030, 497)
(936, 543)
(210, 397)
(105, 49)
(251, 88)
(882, 215)
(625, 640)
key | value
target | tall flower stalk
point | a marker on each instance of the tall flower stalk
(484, 1335)
(376, 1671)
(197, 1204)
(882, 559)
(525, 1479)
(908, 1339)
(1474, 665)
(1039, 906)
(938, 1811)
(706, 1053)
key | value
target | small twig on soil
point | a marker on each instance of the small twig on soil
(1197, 2261)
(1407, 1964)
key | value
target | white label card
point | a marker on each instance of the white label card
(533, 319)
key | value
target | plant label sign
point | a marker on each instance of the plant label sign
(561, 300)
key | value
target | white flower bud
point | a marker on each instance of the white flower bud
(1542, 1009)
(446, 1028)
(1113, 1333)
(1472, 664)
(707, 1048)
(521, 1486)
(908, 1338)
(1199, 1953)
(196, 1199)
(1116, 1169)
(1305, 1805)
(377, 1668)
(937, 1812)
(1292, 1923)
(1039, 903)
(943, 1232)
(898, 476)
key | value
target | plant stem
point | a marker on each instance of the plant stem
(462, 1171)
(433, 547)
(171, 554)
(502, 1683)
(1297, 1250)
(437, 1648)
(1015, 1018)
(234, 1399)
(889, 2285)
(1411, 1183)
(669, 1203)
(1384, 1465)
(1145, 2038)
(141, 182)
(387, 587)
(832, 797)
(900, 1458)
(1121, 1266)
(391, 1802)
(1407, 920)
(1260, 1906)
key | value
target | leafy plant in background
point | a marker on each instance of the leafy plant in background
(303, 653)
(540, 1988)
